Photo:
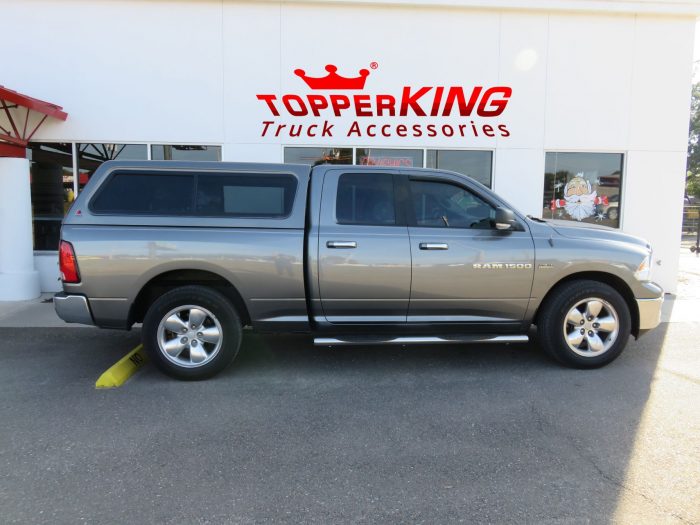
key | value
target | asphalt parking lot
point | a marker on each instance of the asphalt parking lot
(295, 433)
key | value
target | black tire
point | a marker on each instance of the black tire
(554, 312)
(221, 353)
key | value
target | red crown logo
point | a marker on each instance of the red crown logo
(333, 80)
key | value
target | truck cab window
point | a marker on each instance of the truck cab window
(366, 198)
(444, 205)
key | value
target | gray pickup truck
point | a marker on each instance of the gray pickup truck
(350, 254)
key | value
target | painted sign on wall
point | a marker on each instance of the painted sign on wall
(383, 114)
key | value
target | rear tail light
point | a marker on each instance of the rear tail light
(67, 263)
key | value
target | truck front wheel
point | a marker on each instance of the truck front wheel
(584, 324)
(192, 332)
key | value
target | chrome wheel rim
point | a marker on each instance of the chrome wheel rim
(189, 336)
(591, 327)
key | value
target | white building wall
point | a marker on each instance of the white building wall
(188, 72)
(124, 70)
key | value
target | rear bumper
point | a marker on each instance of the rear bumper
(72, 308)
(650, 310)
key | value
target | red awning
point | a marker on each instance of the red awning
(19, 109)
(47, 108)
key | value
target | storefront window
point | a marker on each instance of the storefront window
(185, 152)
(474, 164)
(51, 172)
(316, 156)
(90, 156)
(583, 187)
(402, 158)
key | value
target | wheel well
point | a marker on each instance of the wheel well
(174, 279)
(611, 280)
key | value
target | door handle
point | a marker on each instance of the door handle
(433, 246)
(341, 244)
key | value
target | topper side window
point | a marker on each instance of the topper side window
(263, 195)
(129, 193)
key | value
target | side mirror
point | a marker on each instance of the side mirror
(505, 219)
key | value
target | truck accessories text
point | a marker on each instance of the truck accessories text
(430, 102)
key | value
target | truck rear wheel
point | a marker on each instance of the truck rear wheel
(584, 324)
(192, 332)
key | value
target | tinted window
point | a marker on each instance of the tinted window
(245, 195)
(445, 205)
(146, 194)
(366, 198)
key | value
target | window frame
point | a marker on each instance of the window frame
(624, 154)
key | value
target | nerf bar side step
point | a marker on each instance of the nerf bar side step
(390, 340)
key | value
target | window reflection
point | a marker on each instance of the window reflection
(185, 152)
(399, 158)
(444, 205)
(316, 156)
(51, 172)
(365, 198)
(472, 163)
(583, 187)
(91, 156)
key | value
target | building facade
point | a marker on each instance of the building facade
(575, 110)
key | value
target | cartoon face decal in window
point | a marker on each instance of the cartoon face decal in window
(580, 199)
